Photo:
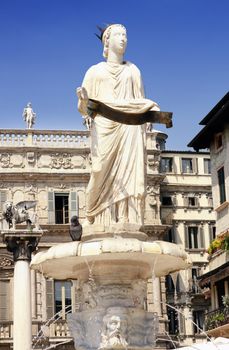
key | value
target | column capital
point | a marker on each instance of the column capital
(21, 243)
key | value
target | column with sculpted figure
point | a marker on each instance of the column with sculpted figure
(116, 190)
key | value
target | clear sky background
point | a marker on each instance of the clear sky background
(46, 46)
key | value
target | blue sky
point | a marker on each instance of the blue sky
(46, 46)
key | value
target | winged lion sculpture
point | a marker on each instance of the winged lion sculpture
(19, 213)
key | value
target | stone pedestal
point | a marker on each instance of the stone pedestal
(22, 243)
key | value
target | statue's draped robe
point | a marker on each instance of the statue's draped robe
(117, 150)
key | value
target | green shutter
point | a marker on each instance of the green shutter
(74, 210)
(51, 208)
(186, 237)
(49, 298)
(201, 233)
(2, 198)
(4, 302)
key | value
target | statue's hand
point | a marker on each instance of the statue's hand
(81, 92)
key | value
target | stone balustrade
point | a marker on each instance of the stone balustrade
(59, 329)
(44, 138)
(6, 330)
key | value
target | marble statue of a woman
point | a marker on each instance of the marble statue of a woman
(116, 190)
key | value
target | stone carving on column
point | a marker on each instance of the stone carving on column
(6, 265)
(112, 316)
(153, 199)
(21, 248)
(154, 162)
(114, 331)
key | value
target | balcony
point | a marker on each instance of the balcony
(57, 331)
(217, 322)
(14, 138)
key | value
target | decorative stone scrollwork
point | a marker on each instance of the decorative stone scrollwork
(154, 162)
(31, 157)
(5, 160)
(61, 160)
(31, 189)
(20, 247)
(5, 262)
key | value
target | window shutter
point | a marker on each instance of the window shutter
(195, 165)
(185, 201)
(174, 200)
(4, 302)
(174, 234)
(74, 210)
(186, 237)
(2, 198)
(49, 298)
(181, 323)
(51, 208)
(201, 234)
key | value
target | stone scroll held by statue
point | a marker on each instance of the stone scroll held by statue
(114, 107)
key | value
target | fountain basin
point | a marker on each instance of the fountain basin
(116, 257)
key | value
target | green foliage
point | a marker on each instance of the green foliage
(219, 243)
(215, 320)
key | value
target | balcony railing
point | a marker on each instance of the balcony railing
(44, 138)
(6, 330)
(217, 318)
(58, 328)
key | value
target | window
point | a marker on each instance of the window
(61, 208)
(173, 321)
(170, 236)
(191, 201)
(166, 165)
(198, 318)
(62, 298)
(194, 237)
(207, 166)
(212, 232)
(187, 165)
(58, 298)
(218, 141)
(221, 181)
(166, 200)
(195, 286)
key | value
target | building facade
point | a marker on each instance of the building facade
(215, 283)
(186, 205)
(53, 168)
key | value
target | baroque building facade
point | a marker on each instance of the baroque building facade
(53, 168)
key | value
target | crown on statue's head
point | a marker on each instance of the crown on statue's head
(102, 31)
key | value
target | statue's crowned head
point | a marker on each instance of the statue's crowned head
(106, 33)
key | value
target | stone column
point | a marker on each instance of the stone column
(157, 295)
(22, 244)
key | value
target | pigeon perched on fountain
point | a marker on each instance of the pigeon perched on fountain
(75, 229)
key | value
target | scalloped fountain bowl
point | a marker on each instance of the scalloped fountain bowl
(112, 276)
